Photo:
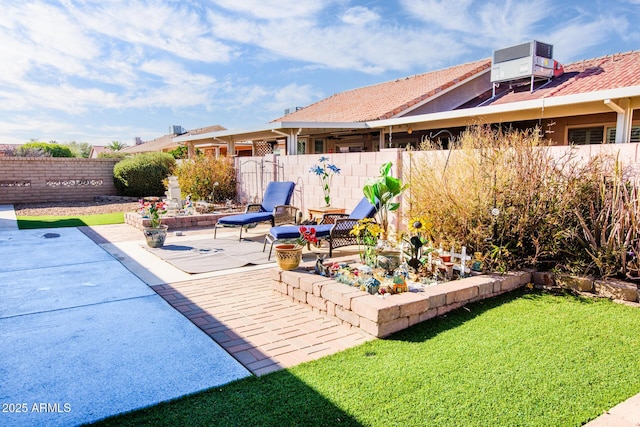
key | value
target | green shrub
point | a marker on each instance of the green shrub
(182, 152)
(197, 177)
(143, 175)
(43, 149)
(113, 155)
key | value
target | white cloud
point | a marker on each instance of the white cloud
(274, 9)
(482, 24)
(359, 16)
(381, 47)
(510, 22)
(41, 35)
(445, 14)
(176, 30)
(575, 39)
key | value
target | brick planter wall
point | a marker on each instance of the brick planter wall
(177, 222)
(383, 316)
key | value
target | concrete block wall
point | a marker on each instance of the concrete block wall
(383, 316)
(47, 179)
(346, 187)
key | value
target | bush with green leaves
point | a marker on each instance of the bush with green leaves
(143, 175)
(197, 177)
(43, 149)
(182, 152)
(113, 155)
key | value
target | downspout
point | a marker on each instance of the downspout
(623, 123)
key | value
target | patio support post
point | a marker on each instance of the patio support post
(624, 121)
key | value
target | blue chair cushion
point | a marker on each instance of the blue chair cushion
(363, 209)
(277, 193)
(246, 218)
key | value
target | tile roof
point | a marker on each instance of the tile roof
(591, 75)
(166, 141)
(385, 100)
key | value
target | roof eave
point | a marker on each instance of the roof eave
(268, 131)
(535, 104)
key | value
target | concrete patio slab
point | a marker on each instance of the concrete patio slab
(83, 338)
(8, 218)
(67, 286)
(42, 248)
(90, 362)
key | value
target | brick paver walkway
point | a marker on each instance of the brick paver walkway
(261, 329)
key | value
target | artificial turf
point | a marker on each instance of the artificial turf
(521, 359)
(31, 222)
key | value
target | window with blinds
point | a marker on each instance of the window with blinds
(582, 136)
(635, 134)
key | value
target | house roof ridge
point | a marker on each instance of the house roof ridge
(415, 76)
(440, 88)
(602, 59)
(479, 65)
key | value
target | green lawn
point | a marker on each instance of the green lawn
(30, 222)
(523, 359)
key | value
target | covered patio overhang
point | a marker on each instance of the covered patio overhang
(288, 131)
(622, 100)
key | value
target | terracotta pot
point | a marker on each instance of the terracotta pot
(288, 256)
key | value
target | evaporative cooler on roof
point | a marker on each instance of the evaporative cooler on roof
(527, 61)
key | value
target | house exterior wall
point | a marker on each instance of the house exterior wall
(47, 179)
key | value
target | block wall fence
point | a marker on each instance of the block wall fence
(255, 172)
(47, 179)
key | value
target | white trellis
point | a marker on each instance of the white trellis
(462, 257)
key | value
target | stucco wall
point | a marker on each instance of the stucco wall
(46, 179)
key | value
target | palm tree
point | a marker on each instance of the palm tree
(116, 145)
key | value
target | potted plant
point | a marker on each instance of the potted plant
(156, 232)
(289, 254)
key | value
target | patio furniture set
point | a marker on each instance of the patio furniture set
(275, 208)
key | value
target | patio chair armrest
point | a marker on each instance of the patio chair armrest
(253, 207)
(344, 225)
(331, 218)
(285, 214)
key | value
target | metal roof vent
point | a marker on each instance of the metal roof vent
(527, 61)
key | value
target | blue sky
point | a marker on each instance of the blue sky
(99, 71)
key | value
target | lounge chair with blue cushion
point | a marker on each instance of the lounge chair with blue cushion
(274, 208)
(334, 228)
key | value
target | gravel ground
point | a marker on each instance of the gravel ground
(72, 208)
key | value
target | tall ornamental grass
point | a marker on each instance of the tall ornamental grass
(508, 195)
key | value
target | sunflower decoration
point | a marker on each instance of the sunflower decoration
(419, 225)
